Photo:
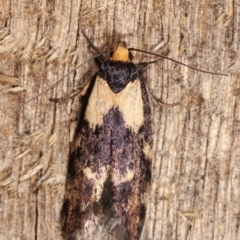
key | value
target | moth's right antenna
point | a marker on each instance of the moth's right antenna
(161, 57)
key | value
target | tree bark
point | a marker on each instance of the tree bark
(196, 154)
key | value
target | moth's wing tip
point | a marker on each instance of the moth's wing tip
(120, 232)
(112, 224)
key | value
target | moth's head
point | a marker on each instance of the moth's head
(121, 53)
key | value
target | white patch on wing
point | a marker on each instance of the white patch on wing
(147, 150)
(122, 178)
(99, 179)
(128, 101)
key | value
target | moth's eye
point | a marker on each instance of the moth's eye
(111, 53)
(130, 56)
(123, 44)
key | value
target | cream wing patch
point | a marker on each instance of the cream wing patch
(128, 101)
(147, 150)
(99, 179)
(130, 104)
(123, 178)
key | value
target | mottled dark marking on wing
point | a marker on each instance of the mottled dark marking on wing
(116, 148)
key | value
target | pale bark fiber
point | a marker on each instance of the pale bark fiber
(195, 187)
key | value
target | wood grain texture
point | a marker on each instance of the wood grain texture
(195, 184)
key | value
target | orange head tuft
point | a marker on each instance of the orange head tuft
(121, 53)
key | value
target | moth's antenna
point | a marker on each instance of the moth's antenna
(99, 54)
(161, 56)
(95, 49)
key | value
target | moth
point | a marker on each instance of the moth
(110, 169)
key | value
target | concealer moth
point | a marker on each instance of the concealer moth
(110, 169)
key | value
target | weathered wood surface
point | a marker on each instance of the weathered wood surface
(196, 174)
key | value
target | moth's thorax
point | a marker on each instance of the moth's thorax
(118, 74)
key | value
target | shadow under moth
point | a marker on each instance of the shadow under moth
(110, 169)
